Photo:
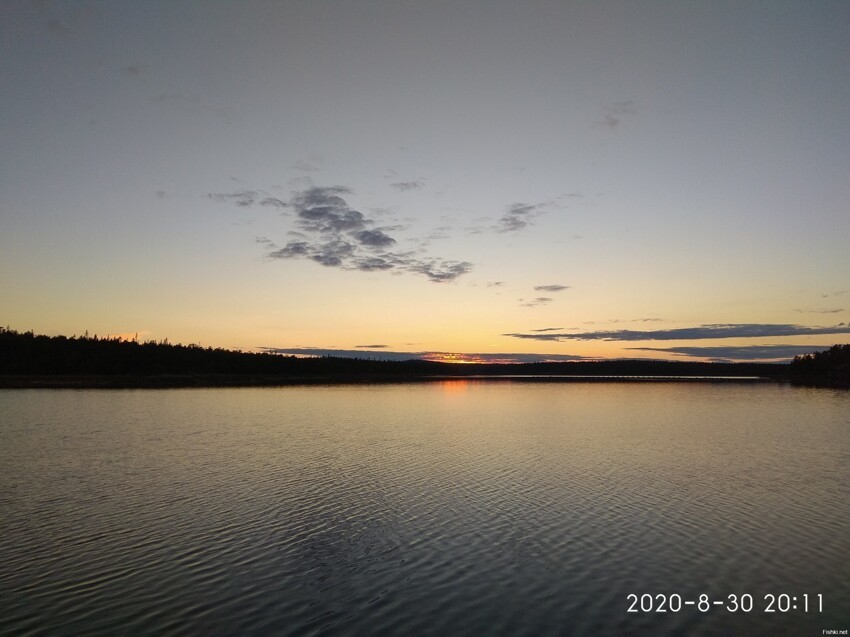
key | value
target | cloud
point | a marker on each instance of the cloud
(518, 216)
(614, 114)
(540, 300)
(243, 198)
(836, 310)
(374, 238)
(333, 253)
(438, 270)
(370, 264)
(551, 288)
(495, 284)
(323, 211)
(722, 330)
(404, 186)
(291, 250)
(273, 202)
(333, 234)
(305, 165)
(764, 353)
(266, 242)
(548, 329)
(378, 352)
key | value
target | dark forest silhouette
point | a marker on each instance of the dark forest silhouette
(27, 359)
(830, 367)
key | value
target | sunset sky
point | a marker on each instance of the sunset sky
(503, 180)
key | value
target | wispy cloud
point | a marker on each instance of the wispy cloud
(333, 234)
(836, 310)
(518, 216)
(306, 165)
(273, 202)
(436, 269)
(551, 288)
(243, 198)
(540, 300)
(265, 241)
(404, 186)
(722, 330)
(765, 353)
(614, 114)
(371, 346)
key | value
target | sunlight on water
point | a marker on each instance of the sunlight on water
(462, 507)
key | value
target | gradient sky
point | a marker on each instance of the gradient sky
(569, 179)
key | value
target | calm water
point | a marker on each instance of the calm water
(455, 508)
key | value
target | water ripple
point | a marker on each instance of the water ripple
(500, 509)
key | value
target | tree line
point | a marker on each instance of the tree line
(831, 367)
(29, 354)
(26, 353)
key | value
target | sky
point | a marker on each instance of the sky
(473, 180)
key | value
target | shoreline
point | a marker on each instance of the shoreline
(200, 381)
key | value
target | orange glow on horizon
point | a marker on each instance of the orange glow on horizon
(464, 359)
(443, 357)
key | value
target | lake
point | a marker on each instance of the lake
(463, 507)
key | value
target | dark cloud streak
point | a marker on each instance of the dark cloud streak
(404, 186)
(776, 353)
(551, 288)
(724, 330)
(836, 310)
(243, 199)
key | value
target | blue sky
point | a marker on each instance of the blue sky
(552, 179)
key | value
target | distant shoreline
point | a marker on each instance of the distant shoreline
(28, 360)
(200, 381)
